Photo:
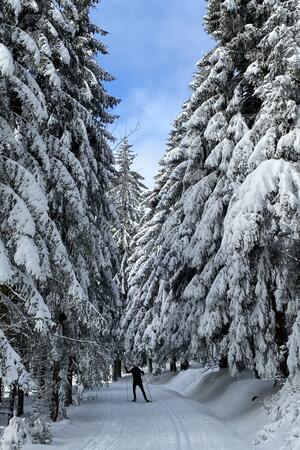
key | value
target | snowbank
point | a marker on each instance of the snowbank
(242, 402)
(283, 426)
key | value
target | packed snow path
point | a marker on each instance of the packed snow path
(170, 422)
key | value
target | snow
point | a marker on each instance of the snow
(252, 70)
(64, 53)
(250, 199)
(15, 434)
(19, 215)
(5, 267)
(237, 401)
(283, 426)
(22, 38)
(198, 408)
(13, 370)
(15, 6)
(216, 128)
(27, 254)
(6, 61)
(27, 95)
(230, 5)
(51, 72)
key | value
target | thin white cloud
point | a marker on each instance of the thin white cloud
(155, 111)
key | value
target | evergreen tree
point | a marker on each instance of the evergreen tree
(128, 193)
(58, 257)
(80, 173)
(216, 282)
(143, 281)
(25, 317)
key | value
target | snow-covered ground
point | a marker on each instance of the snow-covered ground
(192, 410)
(239, 403)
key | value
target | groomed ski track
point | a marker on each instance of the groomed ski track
(173, 422)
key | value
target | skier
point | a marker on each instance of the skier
(136, 373)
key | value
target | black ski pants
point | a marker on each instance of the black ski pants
(140, 385)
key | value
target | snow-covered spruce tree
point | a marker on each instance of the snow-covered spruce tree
(56, 243)
(142, 279)
(165, 326)
(262, 218)
(80, 170)
(128, 194)
(220, 264)
(25, 318)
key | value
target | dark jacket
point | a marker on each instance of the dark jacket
(136, 373)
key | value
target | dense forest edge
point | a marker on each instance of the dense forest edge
(94, 268)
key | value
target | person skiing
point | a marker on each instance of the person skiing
(137, 373)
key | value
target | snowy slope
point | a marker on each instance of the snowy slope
(239, 402)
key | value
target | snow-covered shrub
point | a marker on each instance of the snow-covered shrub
(80, 396)
(15, 434)
(39, 431)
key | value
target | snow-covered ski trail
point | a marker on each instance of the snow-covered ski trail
(173, 422)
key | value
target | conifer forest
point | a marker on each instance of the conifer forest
(193, 282)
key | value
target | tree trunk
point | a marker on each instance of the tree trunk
(223, 363)
(54, 413)
(256, 374)
(173, 367)
(69, 397)
(184, 365)
(20, 404)
(150, 365)
(114, 371)
(1, 391)
(117, 369)
(12, 399)
(281, 336)
(281, 340)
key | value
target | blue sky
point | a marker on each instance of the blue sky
(154, 46)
